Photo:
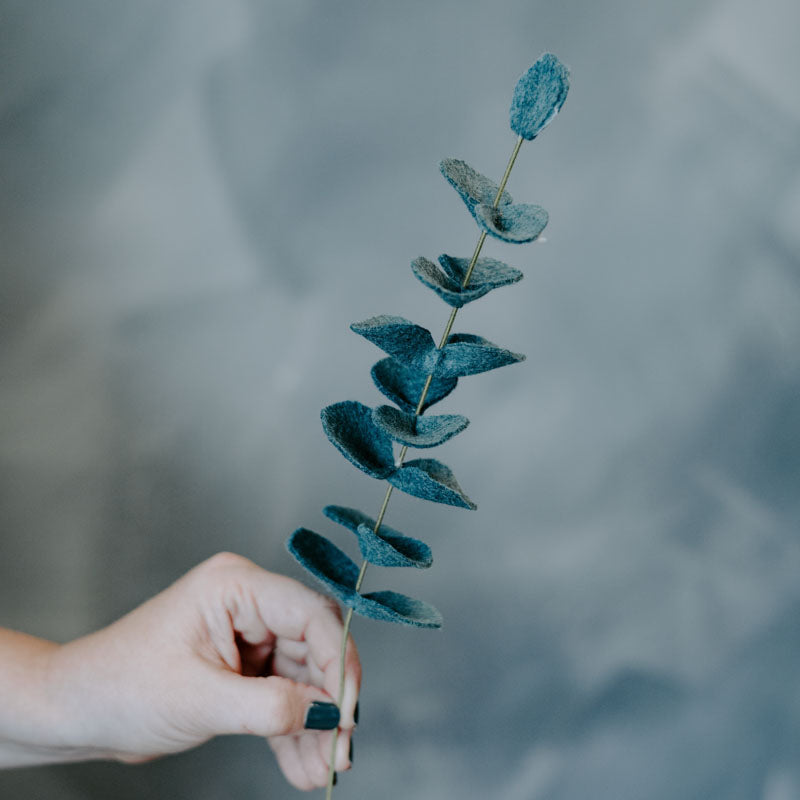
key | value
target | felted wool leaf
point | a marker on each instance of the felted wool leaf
(402, 339)
(352, 432)
(326, 562)
(450, 288)
(387, 548)
(390, 548)
(473, 187)
(515, 224)
(350, 518)
(403, 385)
(538, 96)
(409, 611)
(490, 271)
(407, 428)
(338, 574)
(464, 354)
(468, 354)
(429, 479)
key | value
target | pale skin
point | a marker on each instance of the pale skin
(229, 648)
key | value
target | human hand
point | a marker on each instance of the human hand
(229, 648)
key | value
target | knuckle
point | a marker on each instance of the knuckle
(222, 562)
(283, 709)
(224, 559)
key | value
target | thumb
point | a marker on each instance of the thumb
(271, 706)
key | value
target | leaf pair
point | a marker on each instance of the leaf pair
(515, 223)
(364, 437)
(448, 279)
(339, 574)
(414, 347)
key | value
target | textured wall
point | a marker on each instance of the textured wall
(196, 198)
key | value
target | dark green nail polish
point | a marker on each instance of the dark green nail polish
(335, 778)
(350, 752)
(322, 716)
(355, 713)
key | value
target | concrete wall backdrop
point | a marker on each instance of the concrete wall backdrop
(197, 198)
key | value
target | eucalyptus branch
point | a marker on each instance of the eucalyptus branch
(402, 457)
(419, 373)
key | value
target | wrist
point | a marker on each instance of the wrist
(29, 714)
(79, 699)
(48, 711)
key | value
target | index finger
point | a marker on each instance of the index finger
(331, 668)
(293, 611)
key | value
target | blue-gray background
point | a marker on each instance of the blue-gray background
(196, 198)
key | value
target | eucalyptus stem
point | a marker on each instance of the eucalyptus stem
(401, 458)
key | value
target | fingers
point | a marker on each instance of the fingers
(305, 626)
(302, 632)
(270, 706)
(324, 668)
(311, 748)
(309, 617)
(289, 668)
(287, 753)
(304, 758)
(342, 759)
(284, 712)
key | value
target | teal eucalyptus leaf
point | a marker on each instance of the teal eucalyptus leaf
(538, 96)
(326, 562)
(403, 385)
(390, 548)
(429, 479)
(408, 429)
(387, 548)
(515, 224)
(487, 271)
(447, 278)
(349, 427)
(464, 353)
(407, 342)
(338, 573)
(468, 354)
(350, 518)
(405, 610)
(474, 189)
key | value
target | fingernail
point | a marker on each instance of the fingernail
(322, 716)
(335, 778)
(355, 713)
(350, 752)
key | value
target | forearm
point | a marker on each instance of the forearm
(30, 728)
(62, 703)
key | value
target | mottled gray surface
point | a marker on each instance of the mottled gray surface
(195, 201)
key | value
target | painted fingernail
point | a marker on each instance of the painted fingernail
(350, 752)
(322, 716)
(335, 778)
(355, 713)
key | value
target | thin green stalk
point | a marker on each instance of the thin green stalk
(401, 458)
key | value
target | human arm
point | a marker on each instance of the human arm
(228, 648)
